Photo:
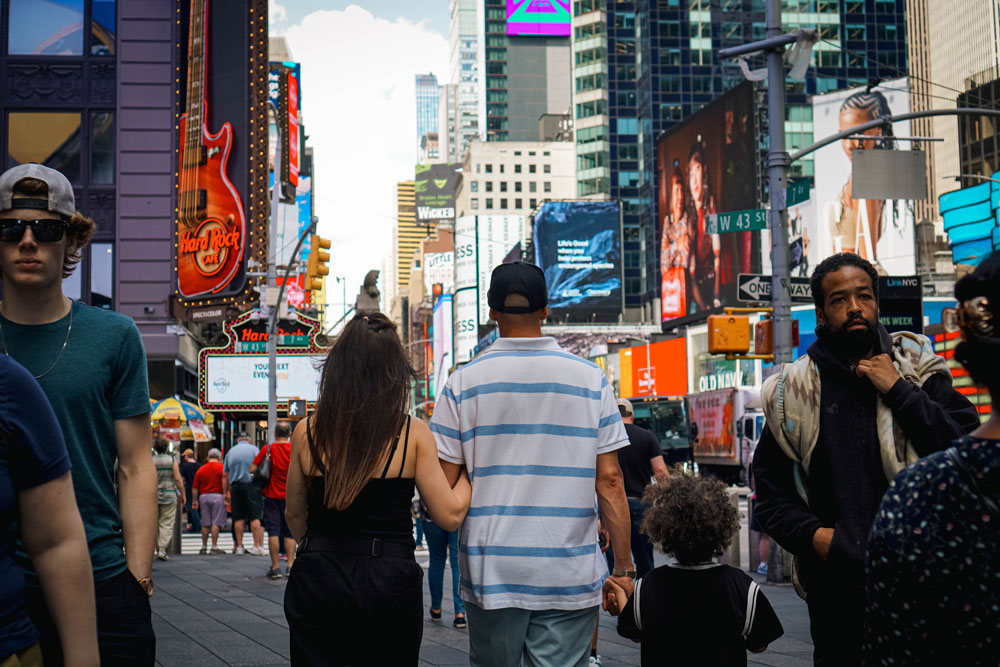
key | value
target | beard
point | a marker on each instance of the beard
(854, 342)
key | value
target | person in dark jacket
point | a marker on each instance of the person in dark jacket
(846, 467)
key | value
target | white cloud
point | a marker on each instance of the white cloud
(359, 111)
(276, 12)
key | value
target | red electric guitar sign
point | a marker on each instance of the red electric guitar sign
(211, 224)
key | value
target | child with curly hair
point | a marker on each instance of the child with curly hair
(696, 611)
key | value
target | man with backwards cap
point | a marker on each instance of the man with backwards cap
(92, 367)
(538, 429)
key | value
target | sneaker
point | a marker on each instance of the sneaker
(162, 555)
(203, 551)
(282, 557)
(274, 573)
(762, 568)
(239, 550)
(257, 551)
(436, 615)
(595, 661)
(461, 622)
(420, 547)
(218, 551)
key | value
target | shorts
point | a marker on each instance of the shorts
(213, 509)
(274, 518)
(246, 502)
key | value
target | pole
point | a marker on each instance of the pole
(272, 281)
(777, 163)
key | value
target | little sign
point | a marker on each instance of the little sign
(750, 220)
(754, 287)
(797, 192)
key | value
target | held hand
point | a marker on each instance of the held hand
(821, 542)
(194, 504)
(880, 371)
(615, 597)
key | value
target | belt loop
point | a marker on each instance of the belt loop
(376, 547)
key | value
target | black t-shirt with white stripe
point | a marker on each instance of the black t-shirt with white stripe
(701, 615)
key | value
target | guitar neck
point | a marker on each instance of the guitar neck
(197, 57)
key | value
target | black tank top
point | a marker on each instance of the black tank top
(381, 510)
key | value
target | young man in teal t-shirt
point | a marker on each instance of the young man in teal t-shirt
(91, 364)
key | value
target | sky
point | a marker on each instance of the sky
(359, 113)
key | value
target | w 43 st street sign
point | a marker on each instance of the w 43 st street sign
(753, 287)
(750, 220)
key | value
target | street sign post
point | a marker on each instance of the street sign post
(754, 287)
(754, 219)
(797, 192)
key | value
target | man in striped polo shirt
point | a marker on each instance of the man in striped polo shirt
(538, 429)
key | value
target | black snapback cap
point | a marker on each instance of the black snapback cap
(517, 278)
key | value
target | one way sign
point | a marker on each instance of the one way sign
(754, 287)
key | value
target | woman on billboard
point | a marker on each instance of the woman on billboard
(704, 260)
(858, 229)
(675, 247)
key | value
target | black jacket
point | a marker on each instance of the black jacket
(845, 477)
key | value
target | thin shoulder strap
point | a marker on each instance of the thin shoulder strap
(392, 452)
(406, 441)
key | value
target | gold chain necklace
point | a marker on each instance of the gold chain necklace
(61, 350)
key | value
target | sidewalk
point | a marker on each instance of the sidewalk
(222, 610)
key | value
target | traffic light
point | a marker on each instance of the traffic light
(763, 336)
(728, 334)
(317, 268)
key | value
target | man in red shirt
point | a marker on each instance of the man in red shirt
(274, 497)
(207, 490)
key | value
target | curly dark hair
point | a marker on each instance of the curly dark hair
(835, 262)
(79, 228)
(690, 518)
(979, 351)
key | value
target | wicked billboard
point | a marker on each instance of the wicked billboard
(221, 198)
(434, 189)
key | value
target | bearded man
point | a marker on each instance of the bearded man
(842, 421)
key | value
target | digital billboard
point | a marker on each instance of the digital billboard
(539, 17)
(496, 236)
(706, 165)
(466, 312)
(578, 244)
(434, 188)
(443, 357)
(879, 230)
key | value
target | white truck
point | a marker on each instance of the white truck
(725, 427)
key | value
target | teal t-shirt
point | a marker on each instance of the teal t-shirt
(100, 377)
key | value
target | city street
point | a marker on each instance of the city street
(222, 610)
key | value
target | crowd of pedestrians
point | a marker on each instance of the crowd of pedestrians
(872, 470)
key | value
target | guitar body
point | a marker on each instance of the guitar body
(211, 224)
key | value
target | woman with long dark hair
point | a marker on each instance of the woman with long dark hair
(355, 595)
(705, 272)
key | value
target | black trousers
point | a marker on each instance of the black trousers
(124, 623)
(836, 604)
(354, 609)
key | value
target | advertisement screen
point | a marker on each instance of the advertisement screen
(496, 236)
(434, 188)
(234, 380)
(657, 369)
(439, 269)
(443, 357)
(706, 165)
(879, 230)
(713, 413)
(293, 129)
(539, 17)
(578, 246)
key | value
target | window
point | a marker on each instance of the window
(503, 186)
(628, 151)
(48, 138)
(628, 179)
(517, 186)
(532, 168)
(489, 186)
(517, 169)
(102, 27)
(102, 269)
(45, 28)
(73, 285)
(477, 167)
(532, 186)
(501, 168)
(473, 186)
(474, 203)
(503, 203)
(517, 153)
(546, 153)
(489, 203)
(102, 147)
(532, 203)
(517, 203)
(531, 153)
(670, 56)
(489, 169)
(546, 168)
(628, 126)
(548, 186)
(671, 112)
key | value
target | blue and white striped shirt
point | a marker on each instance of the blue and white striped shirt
(528, 420)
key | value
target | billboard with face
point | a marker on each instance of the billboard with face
(539, 17)
(706, 165)
(879, 230)
(578, 246)
(434, 188)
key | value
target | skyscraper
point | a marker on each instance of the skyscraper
(641, 66)
(464, 72)
(527, 73)
(428, 93)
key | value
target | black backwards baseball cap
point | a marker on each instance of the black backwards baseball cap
(517, 278)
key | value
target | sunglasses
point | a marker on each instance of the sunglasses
(46, 230)
(974, 315)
